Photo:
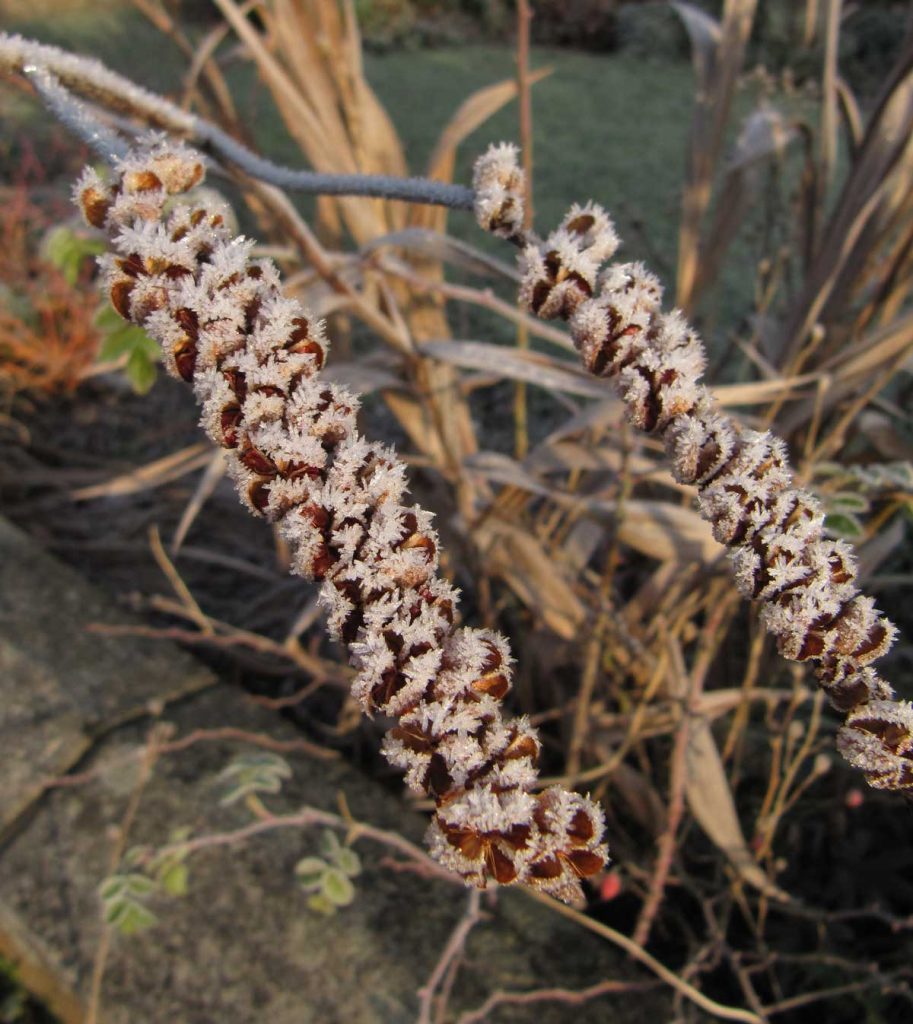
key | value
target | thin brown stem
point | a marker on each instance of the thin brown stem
(450, 955)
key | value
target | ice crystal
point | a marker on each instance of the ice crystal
(806, 583)
(253, 358)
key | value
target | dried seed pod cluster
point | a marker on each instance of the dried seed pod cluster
(500, 189)
(805, 581)
(253, 358)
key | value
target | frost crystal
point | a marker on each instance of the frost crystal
(500, 188)
(253, 358)
(806, 583)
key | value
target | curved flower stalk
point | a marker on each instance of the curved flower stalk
(775, 531)
(253, 358)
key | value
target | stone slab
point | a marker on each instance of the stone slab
(61, 683)
(242, 945)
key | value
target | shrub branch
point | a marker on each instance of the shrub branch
(254, 358)
(804, 582)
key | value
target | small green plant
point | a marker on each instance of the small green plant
(251, 774)
(328, 879)
(123, 339)
(124, 902)
(68, 250)
(851, 491)
(146, 873)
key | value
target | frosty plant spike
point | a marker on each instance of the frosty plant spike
(254, 358)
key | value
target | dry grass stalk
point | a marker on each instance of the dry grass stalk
(718, 51)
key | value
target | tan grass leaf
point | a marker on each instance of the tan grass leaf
(532, 573)
(717, 49)
(711, 802)
(205, 488)
(516, 364)
(667, 532)
(153, 474)
(764, 137)
(657, 529)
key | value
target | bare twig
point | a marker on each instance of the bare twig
(54, 72)
(308, 817)
(651, 963)
(568, 997)
(449, 955)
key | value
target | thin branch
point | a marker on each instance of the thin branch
(570, 997)
(219, 734)
(75, 115)
(307, 817)
(651, 963)
(449, 955)
(54, 71)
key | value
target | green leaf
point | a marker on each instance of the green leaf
(310, 872)
(125, 338)
(899, 474)
(67, 250)
(107, 319)
(329, 843)
(116, 344)
(115, 911)
(254, 773)
(847, 501)
(174, 879)
(337, 888)
(347, 860)
(134, 918)
(321, 904)
(140, 885)
(112, 887)
(840, 525)
(140, 371)
(137, 856)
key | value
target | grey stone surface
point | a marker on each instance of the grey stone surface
(62, 684)
(241, 946)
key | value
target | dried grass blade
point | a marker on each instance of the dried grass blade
(443, 247)
(532, 367)
(852, 116)
(845, 245)
(153, 474)
(828, 130)
(667, 532)
(710, 800)
(533, 573)
(764, 137)
(656, 529)
(717, 50)
(213, 473)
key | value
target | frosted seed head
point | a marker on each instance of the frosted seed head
(93, 196)
(500, 187)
